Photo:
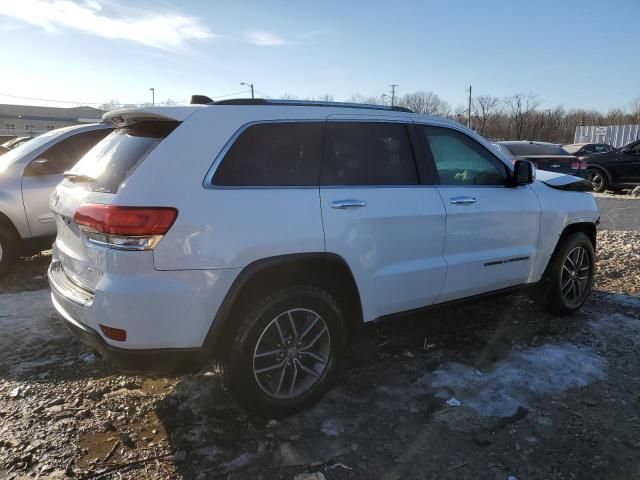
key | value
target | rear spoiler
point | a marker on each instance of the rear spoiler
(130, 116)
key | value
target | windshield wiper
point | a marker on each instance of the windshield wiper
(78, 177)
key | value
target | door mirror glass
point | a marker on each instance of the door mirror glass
(523, 173)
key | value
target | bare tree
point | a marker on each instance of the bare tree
(110, 105)
(635, 108)
(425, 103)
(483, 108)
(521, 108)
(359, 98)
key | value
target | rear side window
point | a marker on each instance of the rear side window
(112, 160)
(372, 153)
(274, 154)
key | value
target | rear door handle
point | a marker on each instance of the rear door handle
(350, 203)
(462, 200)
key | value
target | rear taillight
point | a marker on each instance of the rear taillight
(578, 164)
(127, 228)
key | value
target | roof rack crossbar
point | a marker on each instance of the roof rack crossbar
(309, 103)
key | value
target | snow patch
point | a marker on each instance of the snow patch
(519, 378)
(329, 427)
(629, 300)
(28, 318)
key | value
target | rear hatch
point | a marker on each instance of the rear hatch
(96, 179)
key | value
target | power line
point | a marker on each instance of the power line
(78, 102)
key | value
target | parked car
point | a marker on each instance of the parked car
(587, 149)
(28, 175)
(263, 233)
(615, 170)
(15, 142)
(545, 156)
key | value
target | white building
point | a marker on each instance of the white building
(27, 120)
(614, 135)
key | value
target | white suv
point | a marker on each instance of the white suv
(263, 233)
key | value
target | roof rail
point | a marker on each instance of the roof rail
(308, 103)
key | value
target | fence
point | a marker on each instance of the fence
(615, 135)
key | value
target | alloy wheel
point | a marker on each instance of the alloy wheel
(597, 180)
(574, 279)
(292, 353)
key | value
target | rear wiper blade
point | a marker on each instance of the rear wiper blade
(78, 177)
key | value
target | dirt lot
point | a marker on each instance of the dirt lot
(492, 391)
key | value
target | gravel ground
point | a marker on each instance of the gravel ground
(491, 391)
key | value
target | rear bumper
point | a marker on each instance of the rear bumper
(167, 360)
(166, 315)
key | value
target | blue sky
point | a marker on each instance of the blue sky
(575, 53)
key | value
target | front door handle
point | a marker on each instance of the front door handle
(350, 203)
(462, 200)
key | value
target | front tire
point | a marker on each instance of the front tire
(569, 278)
(9, 247)
(287, 351)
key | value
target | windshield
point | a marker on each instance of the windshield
(26, 148)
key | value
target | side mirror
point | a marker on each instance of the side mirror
(523, 173)
(40, 166)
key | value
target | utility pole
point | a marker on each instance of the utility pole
(393, 92)
(469, 112)
(153, 97)
(250, 85)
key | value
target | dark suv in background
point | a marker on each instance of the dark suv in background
(587, 149)
(615, 170)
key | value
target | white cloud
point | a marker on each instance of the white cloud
(264, 39)
(165, 31)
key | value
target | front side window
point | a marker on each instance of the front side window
(368, 153)
(460, 160)
(274, 154)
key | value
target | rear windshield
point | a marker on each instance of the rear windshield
(520, 149)
(111, 161)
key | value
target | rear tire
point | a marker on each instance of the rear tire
(569, 277)
(598, 179)
(287, 351)
(9, 250)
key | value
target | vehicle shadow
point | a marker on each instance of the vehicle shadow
(190, 426)
(380, 405)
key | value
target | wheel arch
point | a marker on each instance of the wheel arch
(325, 270)
(588, 228)
(5, 222)
(603, 169)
